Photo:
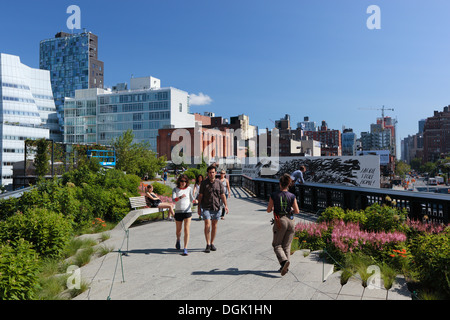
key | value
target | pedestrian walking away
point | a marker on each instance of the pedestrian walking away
(283, 204)
(210, 194)
(153, 201)
(226, 187)
(183, 197)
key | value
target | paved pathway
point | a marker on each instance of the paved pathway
(244, 267)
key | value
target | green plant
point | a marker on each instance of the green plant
(48, 231)
(388, 275)
(19, 267)
(162, 189)
(432, 260)
(384, 218)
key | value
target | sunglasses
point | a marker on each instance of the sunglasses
(183, 181)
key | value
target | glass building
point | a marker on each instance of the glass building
(144, 109)
(72, 60)
(27, 111)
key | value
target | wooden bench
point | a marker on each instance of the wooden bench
(140, 208)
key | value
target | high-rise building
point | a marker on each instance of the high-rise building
(72, 60)
(348, 142)
(27, 110)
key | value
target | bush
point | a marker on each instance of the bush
(337, 213)
(48, 231)
(384, 218)
(432, 259)
(162, 189)
(19, 267)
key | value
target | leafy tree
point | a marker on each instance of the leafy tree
(401, 168)
(136, 158)
(42, 157)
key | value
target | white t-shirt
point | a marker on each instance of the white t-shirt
(184, 204)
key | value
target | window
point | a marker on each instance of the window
(181, 107)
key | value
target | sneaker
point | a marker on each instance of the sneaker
(177, 245)
(284, 267)
(213, 248)
(208, 248)
(185, 252)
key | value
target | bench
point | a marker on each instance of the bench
(140, 208)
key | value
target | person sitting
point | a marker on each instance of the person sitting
(154, 202)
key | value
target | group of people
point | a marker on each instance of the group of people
(211, 195)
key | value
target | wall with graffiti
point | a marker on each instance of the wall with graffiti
(360, 171)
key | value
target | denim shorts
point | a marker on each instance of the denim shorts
(211, 215)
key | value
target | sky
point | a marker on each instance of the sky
(264, 58)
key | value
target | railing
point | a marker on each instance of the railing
(315, 197)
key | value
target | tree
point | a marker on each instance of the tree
(42, 157)
(401, 168)
(136, 158)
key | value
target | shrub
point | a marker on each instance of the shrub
(384, 218)
(19, 267)
(48, 231)
(313, 236)
(162, 189)
(337, 213)
(432, 260)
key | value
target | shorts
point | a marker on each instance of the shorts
(180, 216)
(211, 215)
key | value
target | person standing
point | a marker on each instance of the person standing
(165, 176)
(283, 204)
(210, 194)
(226, 186)
(183, 197)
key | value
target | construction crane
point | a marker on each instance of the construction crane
(382, 113)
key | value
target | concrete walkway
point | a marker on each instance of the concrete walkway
(244, 267)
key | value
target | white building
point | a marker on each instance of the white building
(27, 111)
(144, 108)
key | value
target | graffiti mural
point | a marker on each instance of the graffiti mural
(360, 171)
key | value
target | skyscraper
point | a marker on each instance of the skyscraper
(27, 110)
(72, 60)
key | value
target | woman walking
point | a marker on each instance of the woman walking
(183, 197)
(284, 205)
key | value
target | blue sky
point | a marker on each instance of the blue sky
(264, 58)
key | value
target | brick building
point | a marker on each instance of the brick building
(331, 140)
(436, 136)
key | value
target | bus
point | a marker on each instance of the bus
(107, 158)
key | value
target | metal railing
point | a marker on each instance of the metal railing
(316, 197)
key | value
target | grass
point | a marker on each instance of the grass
(53, 275)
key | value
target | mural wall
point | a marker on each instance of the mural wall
(360, 171)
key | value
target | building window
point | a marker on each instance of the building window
(181, 107)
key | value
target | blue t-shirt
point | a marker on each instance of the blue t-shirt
(283, 202)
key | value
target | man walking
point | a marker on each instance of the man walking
(210, 194)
